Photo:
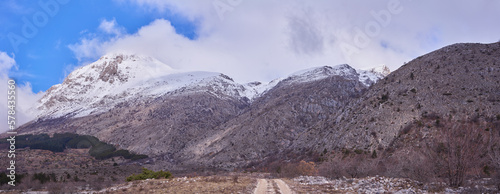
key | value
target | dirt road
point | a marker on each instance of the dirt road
(265, 186)
(283, 187)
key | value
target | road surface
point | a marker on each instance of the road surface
(265, 186)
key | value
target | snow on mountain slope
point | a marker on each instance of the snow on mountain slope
(256, 89)
(318, 73)
(370, 76)
(382, 70)
(367, 77)
(116, 78)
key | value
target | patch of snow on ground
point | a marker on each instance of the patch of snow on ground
(312, 180)
(364, 185)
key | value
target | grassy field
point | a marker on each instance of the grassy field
(207, 184)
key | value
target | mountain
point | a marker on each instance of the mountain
(118, 78)
(403, 115)
(140, 104)
(186, 120)
(330, 108)
(287, 118)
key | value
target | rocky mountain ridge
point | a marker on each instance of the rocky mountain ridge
(457, 82)
(117, 78)
(211, 121)
(138, 103)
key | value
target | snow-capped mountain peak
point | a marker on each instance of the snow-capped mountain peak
(366, 77)
(322, 72)
(116, 78)
(382, 70)
(120, 68)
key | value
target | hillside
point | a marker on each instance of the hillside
(457, 82)
(286, 119)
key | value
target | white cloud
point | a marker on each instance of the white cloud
(111, 27)
(25, 98)
(6, 63)
(92, 45)
(262, 40)
(87, 48)
(305, 37)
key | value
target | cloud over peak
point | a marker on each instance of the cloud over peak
(262, 40)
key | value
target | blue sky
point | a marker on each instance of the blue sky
(253, 40)
(44, 59)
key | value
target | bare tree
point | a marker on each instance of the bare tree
(330, 169)
(461, 151)
(358, 166)
(354, 166)
(302, 168)
(494, 152)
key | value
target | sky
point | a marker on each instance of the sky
(42, 41)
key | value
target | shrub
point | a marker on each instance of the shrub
(461, 151)
(384, 98)
(438, 123)
(354, 166)
(486, 170)
(59, 142)
(102, 150)
(42, 177)
(138, 157)
(406, 129)
(76, 179)
(331, 169)
(82, 141)
(4, 179)
(127, 155)
(149, 174)
(497, 180)
(302, 168)
(43, 141)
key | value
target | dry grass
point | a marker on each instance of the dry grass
(209, 184)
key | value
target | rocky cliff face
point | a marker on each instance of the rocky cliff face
(457, 82)
(289, 117)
